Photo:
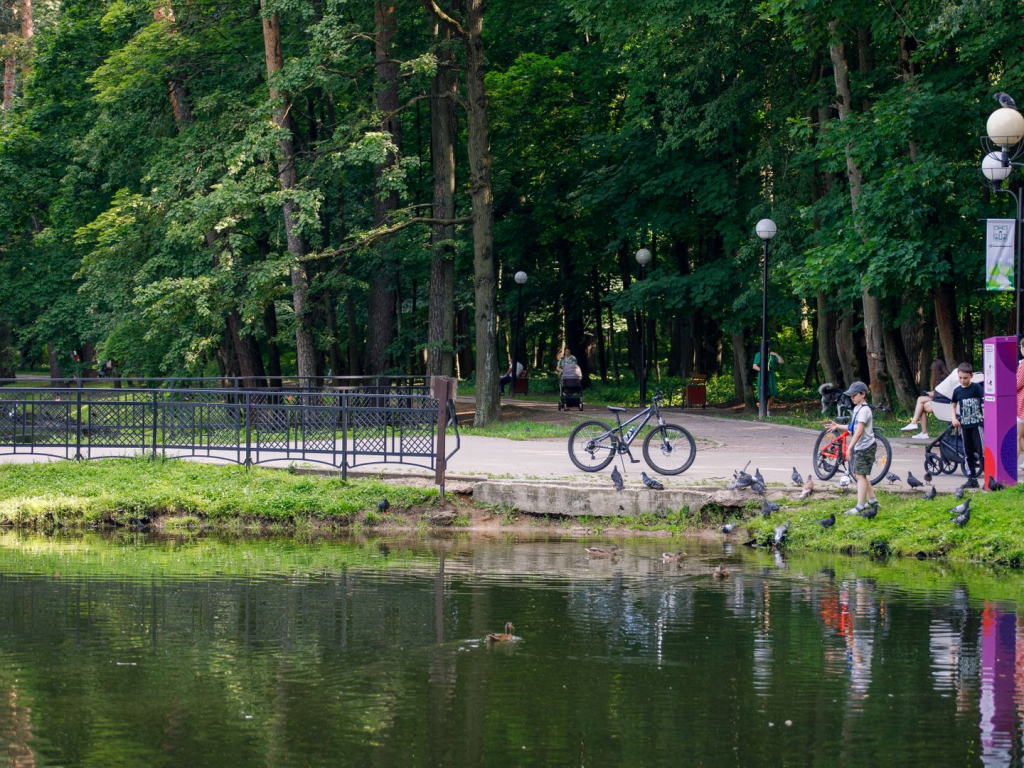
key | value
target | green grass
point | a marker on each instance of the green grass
(118, 490)
(522, 429)
(909, 527)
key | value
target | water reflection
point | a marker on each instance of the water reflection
(360, 653)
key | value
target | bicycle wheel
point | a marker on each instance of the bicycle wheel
(592, 445)
(669, 450)
(827, 454)
(883, 459)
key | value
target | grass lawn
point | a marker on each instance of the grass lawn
(122, 490)
(907, 526)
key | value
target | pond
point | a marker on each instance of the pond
(145, 650)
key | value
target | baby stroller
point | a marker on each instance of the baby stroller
(945, 454)
(570, 392)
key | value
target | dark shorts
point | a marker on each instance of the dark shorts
(864, 460)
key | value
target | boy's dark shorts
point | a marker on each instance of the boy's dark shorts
(864, 460)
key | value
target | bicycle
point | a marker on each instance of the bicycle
(830, 454)
(668, 448)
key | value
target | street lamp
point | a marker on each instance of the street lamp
(766, 230)
(1005, 129)
(643, 258)
(520, 278)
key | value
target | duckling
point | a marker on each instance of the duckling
(613, 551)
(720, 573)
(503, 637)
(672, 557)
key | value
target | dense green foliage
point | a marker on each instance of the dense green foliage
(132, 234)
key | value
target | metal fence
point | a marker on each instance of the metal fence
(365, 421)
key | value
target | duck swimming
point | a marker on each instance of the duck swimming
(503, 637)
(720, 573)
(613, 551)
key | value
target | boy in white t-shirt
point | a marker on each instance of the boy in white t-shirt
(862, 445)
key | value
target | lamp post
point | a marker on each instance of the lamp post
(643, 258)
(766, 230)
(1005, 129)
(520, 278)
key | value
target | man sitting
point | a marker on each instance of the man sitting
(505, 380)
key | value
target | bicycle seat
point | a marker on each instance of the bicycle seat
(616, 409)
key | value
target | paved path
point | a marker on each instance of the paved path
(723, 444)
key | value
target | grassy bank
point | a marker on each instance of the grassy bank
(123, 490)
(909, 527)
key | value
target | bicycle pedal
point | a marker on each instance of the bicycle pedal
(633, 461)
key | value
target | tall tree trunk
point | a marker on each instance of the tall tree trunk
(811, 375)
(847, 349)
(334, 356)
(902, 371)
(828, 330)
(443, 130)
(572, 300)
(632, 328)
(7, 370)
(927, 348)
(464, 345)
(273, 350)
(873, 329)
(250, 364)
(380, 330)
(741, 373)
(948, 324)
(354, 368)
(485, 293)
(602, 356)
(305, 347)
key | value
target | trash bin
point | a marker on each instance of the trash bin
(697, 391)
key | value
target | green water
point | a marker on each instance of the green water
(145, 651)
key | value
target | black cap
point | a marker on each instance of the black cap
(858, 387)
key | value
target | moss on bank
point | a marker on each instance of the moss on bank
(908, 526)
(124, 490)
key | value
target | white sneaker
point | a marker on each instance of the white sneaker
(910, 428)
(921, 436)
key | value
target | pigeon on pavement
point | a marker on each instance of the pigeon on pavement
(617, 479)
(892, 477)
(927, 477)
(827, 522)
(1005, 100)
(797, 480)
(913, 482)
(650, 483)
(844, 481)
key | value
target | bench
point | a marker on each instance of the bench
(522, 385)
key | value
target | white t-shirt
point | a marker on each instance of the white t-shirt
(862, 415)
(519, 369)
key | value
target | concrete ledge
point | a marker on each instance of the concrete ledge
(577, 499)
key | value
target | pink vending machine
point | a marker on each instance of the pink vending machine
(1001, 409)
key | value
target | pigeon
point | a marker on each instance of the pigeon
(963, 518)
(959, 509)
(844, 481)
(384, 505)
(653, 484)
(827, 522)
(959, 492)
(892, 477)
(758, 487)
(728, 528)
(927, 477)
(767, 507)
(780, 534)
(808, 488)
(994, 485)
(757, 476)
(930, 493)
(617, 479)
(869, 512)
(1005, 100)
(797, 480)
(913, 482)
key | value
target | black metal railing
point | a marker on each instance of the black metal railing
(365, 421)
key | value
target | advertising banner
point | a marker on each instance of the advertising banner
(999, 250)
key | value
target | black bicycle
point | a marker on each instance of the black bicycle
(668, 448)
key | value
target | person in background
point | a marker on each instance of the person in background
(924, 402)
(505, 380)
(567, 358)
(967, 417)
(1020, 407)
(773, 382)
